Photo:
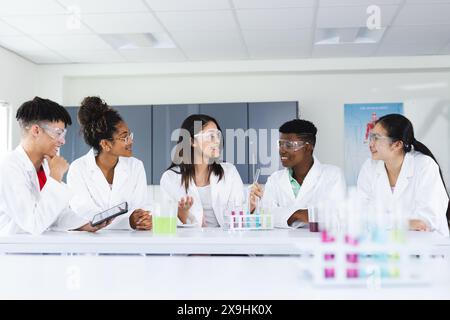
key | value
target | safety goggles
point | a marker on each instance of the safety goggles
(378, 137)
(211, 135)
(293, 145)
(56, 133)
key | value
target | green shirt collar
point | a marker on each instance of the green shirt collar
(294, 183)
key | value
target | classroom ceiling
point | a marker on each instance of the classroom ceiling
(115, 31)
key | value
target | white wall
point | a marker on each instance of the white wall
(321, 87)
(17, 84)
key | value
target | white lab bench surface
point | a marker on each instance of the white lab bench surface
(190, 241)
(139, 265)
(156, 277)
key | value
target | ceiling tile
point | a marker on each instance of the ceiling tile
(446, 49)
(417, 34)
(43, 57)
(188, 5)
(276, 52)
(106, 6)
(270, 4)
(426, 1)
(21, 43)
(198, 20)
(30, 7)
(295, 18)
(93, 56)
(122, 23)
(424, 14)
(207, 39)
(366, 3)
(210, 45)
(408, 49)
(343, 50)
(216, 54)
(74, 43)
(282, 38)
(352, 16)
(152, 55)
(60, 24)
(7, 30)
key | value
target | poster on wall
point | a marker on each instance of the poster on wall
(359, 120)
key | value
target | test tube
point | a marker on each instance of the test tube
(233, 219)
(313, 219)
(241, 219)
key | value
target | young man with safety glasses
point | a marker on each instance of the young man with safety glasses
(33, 197)
(304, 183)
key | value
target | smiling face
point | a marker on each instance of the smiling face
(121, 143)
(381, 146)
(50, 136)
(207, 142)
(293, 157)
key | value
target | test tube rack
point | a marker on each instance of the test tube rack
(351, 262)
(241, 219)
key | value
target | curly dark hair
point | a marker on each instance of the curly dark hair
(98, 121)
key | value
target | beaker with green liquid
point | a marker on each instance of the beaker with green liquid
(165, 218)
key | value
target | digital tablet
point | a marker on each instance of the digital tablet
(111, 213)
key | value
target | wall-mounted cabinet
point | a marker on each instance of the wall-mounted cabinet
(155, 133)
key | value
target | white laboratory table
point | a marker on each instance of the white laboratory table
(190, 241)
(195, 277)
(139, 265)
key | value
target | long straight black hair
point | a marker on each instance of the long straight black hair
(399, 128)
(186, 166)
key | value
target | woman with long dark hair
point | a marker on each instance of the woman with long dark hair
(404, 175)
(196, 179)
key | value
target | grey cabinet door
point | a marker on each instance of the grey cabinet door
(269, 116)
(167, 120)
(75, 146)
(232, 116)
(67, 150)
(139, 121)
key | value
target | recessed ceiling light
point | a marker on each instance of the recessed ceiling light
(328, 36)
(138, 40)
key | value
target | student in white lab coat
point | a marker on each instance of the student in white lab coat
(33, 197)
(196, 180)
(403, 175)
(108, 174)
(304, 182)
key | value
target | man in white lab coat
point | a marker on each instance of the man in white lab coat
(304, 182)
(32, 194)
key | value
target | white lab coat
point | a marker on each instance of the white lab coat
(24, 208)
(229, 189)
(323, 184)
(419, 191)
(93, 194)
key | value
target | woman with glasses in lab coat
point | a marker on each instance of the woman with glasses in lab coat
(404, 176)
(200, 184)
(108, 174)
